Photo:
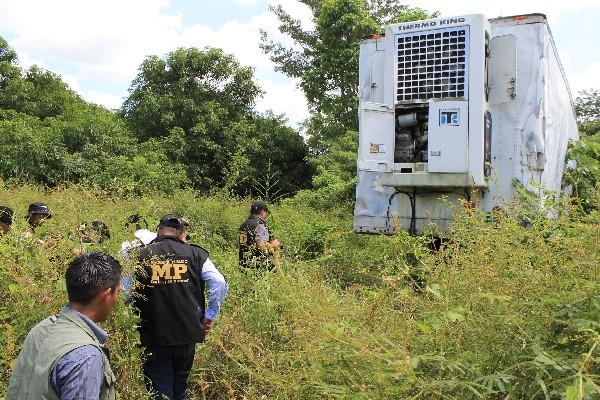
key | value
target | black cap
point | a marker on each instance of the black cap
(39, 208)
(257, 206)
(6, 215)
(174, 221)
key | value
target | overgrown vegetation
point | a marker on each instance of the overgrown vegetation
(500, 311)
(584, 172)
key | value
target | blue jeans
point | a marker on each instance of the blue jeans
(167, 368)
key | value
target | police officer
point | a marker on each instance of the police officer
(6, 217)
(257, 245)
(37, 213)
(170, 299)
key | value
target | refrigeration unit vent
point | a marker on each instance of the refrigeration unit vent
(433, 64)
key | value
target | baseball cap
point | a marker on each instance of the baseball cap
(6, 215)
(257, 206)
(174, 221)
(39, 208)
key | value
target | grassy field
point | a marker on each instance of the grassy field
(501, 311)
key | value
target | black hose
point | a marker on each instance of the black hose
(412, 230)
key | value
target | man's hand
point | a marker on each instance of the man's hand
(275, 243)
(207, 325)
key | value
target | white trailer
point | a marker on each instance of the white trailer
(455, 106)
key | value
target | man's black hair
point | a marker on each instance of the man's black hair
(90, 273)
(6, 215)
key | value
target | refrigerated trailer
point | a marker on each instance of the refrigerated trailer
(454, 108)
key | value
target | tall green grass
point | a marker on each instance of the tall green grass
(500, 311)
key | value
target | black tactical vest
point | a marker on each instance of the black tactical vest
(170, 298)
(250, 255)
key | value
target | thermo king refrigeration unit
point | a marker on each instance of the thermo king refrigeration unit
(452, 107)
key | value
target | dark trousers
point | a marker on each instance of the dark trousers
(167, 368)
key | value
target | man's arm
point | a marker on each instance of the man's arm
(217, 290)
(78, 374)
(263, 239)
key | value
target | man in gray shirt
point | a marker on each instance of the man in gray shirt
(63, 356)
(257, 245)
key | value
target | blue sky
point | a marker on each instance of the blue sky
(97, 46)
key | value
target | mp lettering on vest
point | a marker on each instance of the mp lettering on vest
(169, 271)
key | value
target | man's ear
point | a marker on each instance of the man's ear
(105, 293)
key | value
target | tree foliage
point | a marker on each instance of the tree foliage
(324, 58)
(587, 107)
(199, 106)
(190, 89)
(584, 176)
(49, 135)
(189, 119)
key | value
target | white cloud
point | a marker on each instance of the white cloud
(101, 44)
(105, 42)
(72, 81)
(108, 100)
(297, 10)
(239, 39)
(284, 98)
(589, 78)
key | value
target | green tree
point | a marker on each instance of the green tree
(585, 176)
(387, 12)
(30, 150)
(199, 106)
(325, 60)
(273, 155)
(50, 136)
(335, 179)
(587, 107)
(189, 119)
(36, 92)
(9, 68)
(192, 89)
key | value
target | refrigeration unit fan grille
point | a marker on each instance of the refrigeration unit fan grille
(433, 64)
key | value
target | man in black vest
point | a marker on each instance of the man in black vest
(171, 301)
(257, 245)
